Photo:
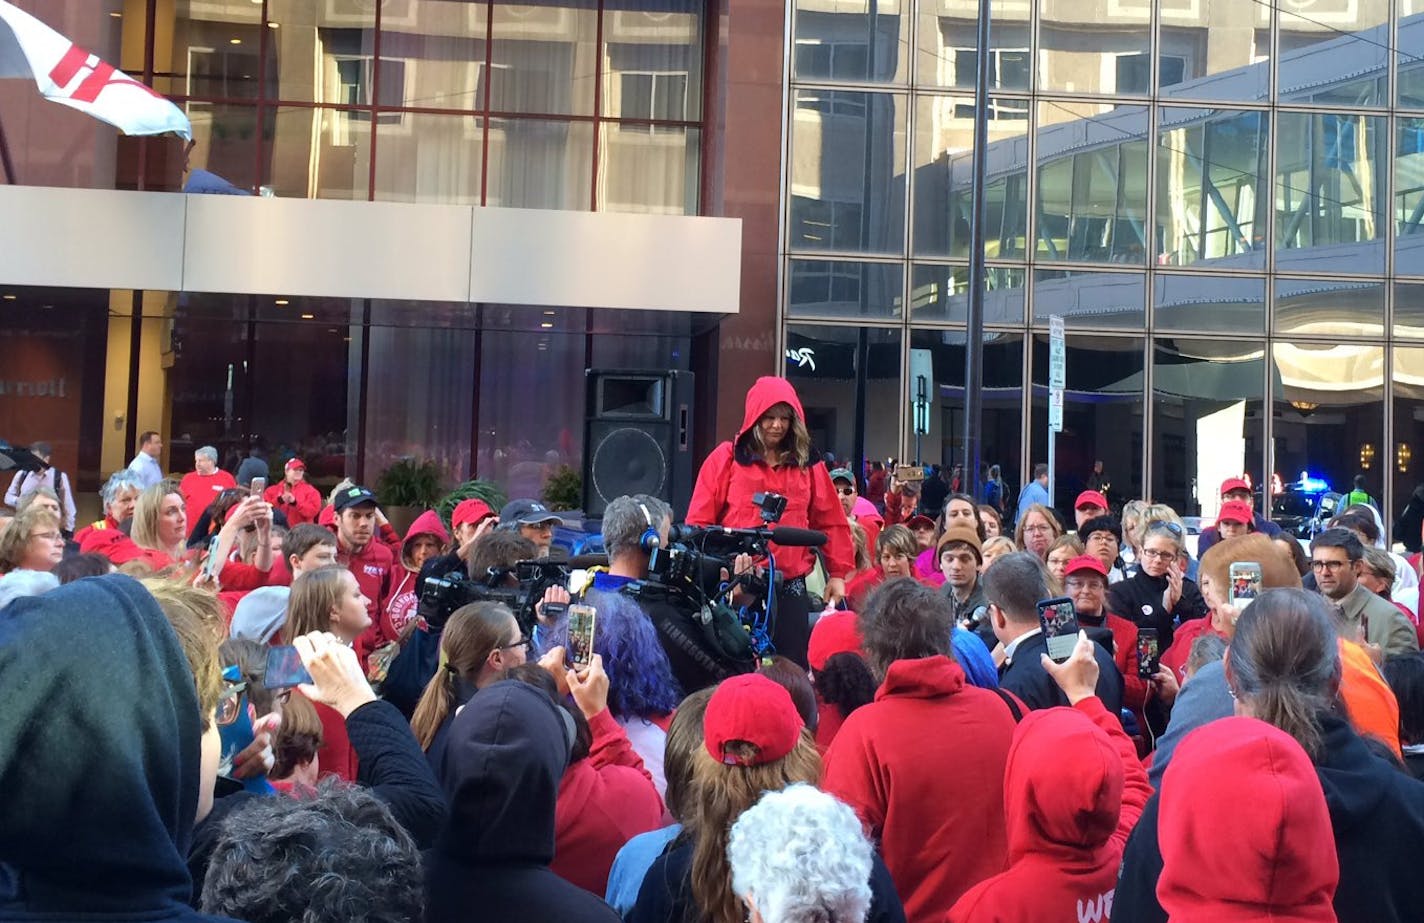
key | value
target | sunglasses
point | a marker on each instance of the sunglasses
(846, 491)
(1165, 525)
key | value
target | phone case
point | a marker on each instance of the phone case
(582, 623)
(1245, 580)
(1059, 620)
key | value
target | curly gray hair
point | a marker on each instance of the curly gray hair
(336, 856)
(802, 857)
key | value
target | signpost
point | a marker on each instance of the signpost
(1057, 369)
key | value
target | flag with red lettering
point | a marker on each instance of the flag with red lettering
(71, 75)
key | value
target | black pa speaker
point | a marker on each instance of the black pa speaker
(637, 438)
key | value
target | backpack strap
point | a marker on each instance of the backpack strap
(1011, 701)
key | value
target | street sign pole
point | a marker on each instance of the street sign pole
(1057, 373)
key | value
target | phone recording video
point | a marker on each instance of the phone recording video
(1059, 620)
(258, 486)
(1245, 580)
(582, 621)
(211, 565)
(1148, 655)
(284, 668)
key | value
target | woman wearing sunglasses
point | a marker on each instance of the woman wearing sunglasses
(1159, 595)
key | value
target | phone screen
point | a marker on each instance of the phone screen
(1245, 580)
(1147, 652)
(1059, 620)
(284, 668)
(258, 485)
(582, 620)
(212, 566)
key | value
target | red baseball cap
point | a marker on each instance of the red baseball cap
(752, 708)
(471, 510)
(1236, 511)
(835, 633)
(1085, 562)
(918, 521)
(296, 463)
(1090, 498)
(1230, 484)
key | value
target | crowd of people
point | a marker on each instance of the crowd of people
(228, 702)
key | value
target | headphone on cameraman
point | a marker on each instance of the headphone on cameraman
(650, 539)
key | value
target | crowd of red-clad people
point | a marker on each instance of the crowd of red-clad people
(907, 749)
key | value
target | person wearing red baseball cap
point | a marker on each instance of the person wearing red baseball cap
(1236, 490)
(1085, 580)
(1234, 519)
(753, 742)
(294, 497)
(1090, 505)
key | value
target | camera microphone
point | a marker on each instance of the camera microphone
(585, 561)
(793, 537)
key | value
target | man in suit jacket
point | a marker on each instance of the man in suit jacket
(1013, 588)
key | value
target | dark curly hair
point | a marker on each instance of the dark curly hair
(846, 682)
(336, 855)
(905, 620)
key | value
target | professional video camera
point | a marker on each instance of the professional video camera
(443, 595)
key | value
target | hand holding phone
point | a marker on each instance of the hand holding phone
(258, 486)
(284, 668)
(582, 623)
(1058, 618)
(589, 687)
(212, 564)
(1147, 652)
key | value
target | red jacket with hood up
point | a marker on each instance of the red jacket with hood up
(1244, 829)
(398, 612)
(730, 476)
(1073, 791)
(923, 766)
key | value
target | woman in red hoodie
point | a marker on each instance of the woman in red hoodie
(425, 539)
(772, 453)
(1073, 790)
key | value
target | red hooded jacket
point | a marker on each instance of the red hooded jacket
(305, 505)
(923, 766)
(1244, 830)
(372, 567)
(400, 609)
(730, 476)
(604, 801)
(1073, 791)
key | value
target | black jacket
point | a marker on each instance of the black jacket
(506, 755)
(666, 894)
(1026, 678)
(100, 746)
(1377, 812)
(1139, 599)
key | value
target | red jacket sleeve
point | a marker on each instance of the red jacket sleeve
(851, 775)
(1134, 687)
(238, 576)
(392, 540)
(1135, 788)
(709, 496)
(826, 515)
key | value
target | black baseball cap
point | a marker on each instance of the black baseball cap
(353, 496)
(526, 513)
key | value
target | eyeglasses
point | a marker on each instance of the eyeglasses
(1330, 566)
(1156, 555)
(846, 491)
(48, 536)
(1165, 525)
(1074, 583)
(525, 643)
(1037, 530)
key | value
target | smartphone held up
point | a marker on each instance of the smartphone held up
(1058, 618)
(582, 624)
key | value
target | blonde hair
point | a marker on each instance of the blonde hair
(148, 512)
(862, 551)
(1132, 514)
(797, 436)
(197, 618)
(999, 544)
(15, 537)
(1043, 511)
(722, 792)
(1277, 567)
(314, 594)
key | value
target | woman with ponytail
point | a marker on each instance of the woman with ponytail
(480, 642)
(1284, 668)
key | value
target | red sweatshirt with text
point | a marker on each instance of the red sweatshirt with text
(731, 476)
(372, 567)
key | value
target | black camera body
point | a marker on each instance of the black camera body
(442, 595)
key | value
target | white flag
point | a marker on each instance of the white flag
(68, 74)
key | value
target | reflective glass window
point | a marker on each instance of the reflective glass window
(944, 140)
(1093, 299)
(1410, 62)
(1216, 50)
(323, 51)
(1334, 52)
(1102, 415)
(1211, 188)
(851, 41)
(1329, 307)
(847, 170)
(1409, 310)
(829, 366)
(433, 53)
(1092, 184)
(1409, 195)
(1329, 414)
(1328, 193)
(543, 57)
(1082, 51)
(1208, 399)
(324, 153)
(939, 423)
(1403, 459)
(1219, 304)
(941, 293)
(828, 288)
(652, 60)
(648, 168)
(536, 163)
(215, 50)
(430, 158)
(948, 56)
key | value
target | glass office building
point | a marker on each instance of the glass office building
(1221, 200)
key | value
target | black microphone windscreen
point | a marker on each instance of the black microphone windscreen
(794, 537)
(585, 561)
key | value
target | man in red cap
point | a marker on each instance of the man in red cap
(1234, 519)
(298, 500)
(1090, 505)
(1085, 581)
(470, 520)
(1238, 491)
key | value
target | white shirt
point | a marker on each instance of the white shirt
(27, 482)
(147, 468)
(1014, 644)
